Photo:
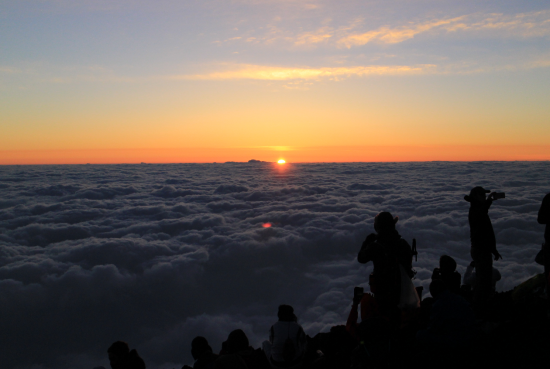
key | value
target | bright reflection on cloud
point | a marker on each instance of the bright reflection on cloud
(248, 71)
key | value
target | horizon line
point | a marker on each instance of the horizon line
(291, 154)
(297, 162)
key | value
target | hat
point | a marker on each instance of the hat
(385, 220)
(474, 191)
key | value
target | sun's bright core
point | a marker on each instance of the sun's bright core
(281, 161)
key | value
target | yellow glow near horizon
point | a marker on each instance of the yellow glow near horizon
(281, 161)
(330, 154)
(346, 90)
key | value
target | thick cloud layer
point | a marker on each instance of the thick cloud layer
(157, 254)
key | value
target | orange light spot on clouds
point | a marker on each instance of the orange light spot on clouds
(281, 161)
(266, 225)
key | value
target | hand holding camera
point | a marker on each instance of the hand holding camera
(497, 195)
(370, 238)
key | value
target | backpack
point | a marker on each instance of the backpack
(395, 258)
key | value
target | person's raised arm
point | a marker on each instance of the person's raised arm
(351, 324)
(365, 254)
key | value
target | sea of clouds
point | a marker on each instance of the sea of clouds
(157, 254)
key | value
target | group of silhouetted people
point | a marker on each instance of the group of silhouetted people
(392, 315)
(285, 348)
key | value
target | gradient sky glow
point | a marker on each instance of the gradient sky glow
(110, 81)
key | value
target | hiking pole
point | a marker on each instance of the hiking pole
(414, 252)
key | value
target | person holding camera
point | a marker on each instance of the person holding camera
(483, 241)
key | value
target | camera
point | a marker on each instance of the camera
(358, 292)
(499, 195)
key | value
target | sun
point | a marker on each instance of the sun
(281, 161)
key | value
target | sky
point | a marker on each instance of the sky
(123, 81)
(157, 254)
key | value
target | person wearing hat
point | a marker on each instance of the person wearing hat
(483, 242)
(387, 250)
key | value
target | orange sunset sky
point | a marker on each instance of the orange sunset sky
(308, 81)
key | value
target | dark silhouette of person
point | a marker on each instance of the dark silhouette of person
(483, 243)
(544, 218)
(331, 349)
(452, 321)
(202, 354)
(447, 272)
(377, 341)
(387, 251)
(230, 362)
(286, 346)
(120, 357)
(237, 349)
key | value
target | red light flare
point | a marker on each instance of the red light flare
(266, 225)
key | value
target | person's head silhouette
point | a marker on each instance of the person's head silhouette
(236, 341)
(286, 314)
(118, 354)
(447, 264)
(199, 345)
(477, 195)
(384, 221)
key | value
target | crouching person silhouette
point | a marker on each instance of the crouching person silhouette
(388, 253)
(447, 272)
(120, 357)
(286, 346)
(451, 326)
